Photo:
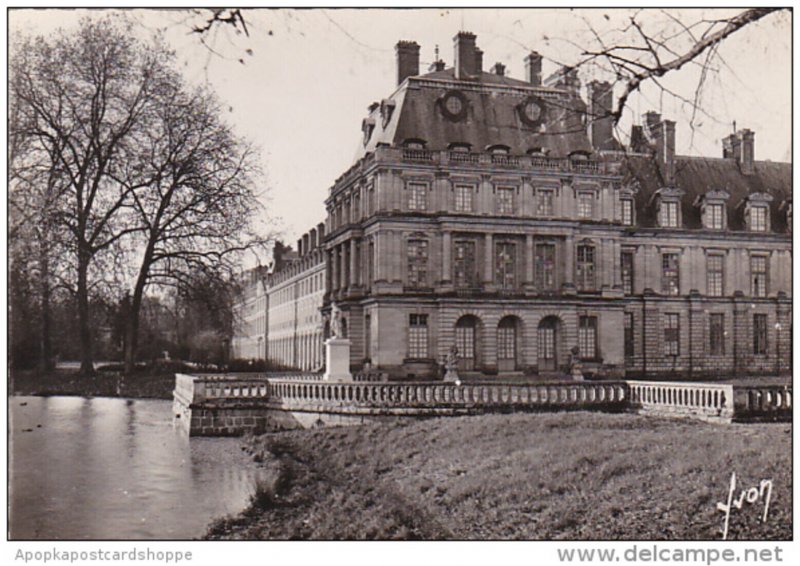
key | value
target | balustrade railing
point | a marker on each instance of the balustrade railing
(308, 392)
(705, 399)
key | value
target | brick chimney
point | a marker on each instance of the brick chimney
(652, 121)
(407, 60)
(499, 69)
(601, 98)
(665, 149)
(478, 61)
(741, 147)
(533, 68)
(747, 141)
(465, 57)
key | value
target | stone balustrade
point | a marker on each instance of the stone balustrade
(763, 401)
(229, 404)
(706, 401)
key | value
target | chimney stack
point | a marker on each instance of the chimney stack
(465, 56)
(666, 149)
(747, 143)
(407, 60)
(533, 68)
(478, 61)
(499, 69)
(601, 97)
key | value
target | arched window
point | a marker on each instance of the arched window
(460, 147)
(414, 143)
(498, 149)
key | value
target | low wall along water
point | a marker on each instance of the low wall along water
(226, 405)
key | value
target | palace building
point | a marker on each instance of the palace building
(502, 216)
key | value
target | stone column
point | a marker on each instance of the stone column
(446, 259)
(569, 265)
(528, 263)
(329, 271)
(333, 276)
(355, 280)
(488, 257)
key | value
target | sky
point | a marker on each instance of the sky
(300, 83)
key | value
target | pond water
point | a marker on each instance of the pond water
(105, 468)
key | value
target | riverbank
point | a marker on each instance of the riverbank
(519, 476)
(141, 385)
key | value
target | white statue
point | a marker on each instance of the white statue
(336, 321)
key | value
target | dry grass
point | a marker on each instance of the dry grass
(519, 476)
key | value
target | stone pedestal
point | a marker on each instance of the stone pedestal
(451, 374)
(337, 360)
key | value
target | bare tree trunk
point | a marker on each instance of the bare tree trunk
(84, 323)
(132, 322)
(132, 328)
(45, 363)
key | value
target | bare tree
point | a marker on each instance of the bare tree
(192, 186)
(78, 98)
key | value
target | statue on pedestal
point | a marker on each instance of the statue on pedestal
(336, 321)
(575, 365)
(451, 365)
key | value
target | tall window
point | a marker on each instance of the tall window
(715, 274)
(714, 216)
(758, 276)
(544, 202)
(628, 336)
(671, 334)
(587, 337)
(505, 200)
(507, 339)
(585, 268)
(716, 334)
(464, 274)
(669, 214)
(758, 218)
(463, 198)
(417, 263)
(670, 277)
(627, 211)
(627, 272)
(545, 267)
(505, 260)
(585, 204)
(759, 334)
(417, 196)
(418, 336)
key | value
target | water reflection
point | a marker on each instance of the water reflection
(117, 469)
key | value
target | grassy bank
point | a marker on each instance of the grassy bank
(145, 384)
(520, 476)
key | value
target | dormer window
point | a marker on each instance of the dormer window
(498, 149)
(579, 155)
(460, 147)
(756, 212)
(367, 127)
(627, 211)
(668, 207)
(538, 152)
(713, 209)
(758, 219)
(387, 109)
(786, 208)
(414, 143)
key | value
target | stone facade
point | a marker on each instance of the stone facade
(480, 212)
(278, 317)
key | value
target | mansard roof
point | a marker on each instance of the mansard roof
(493, 116)
(698, 175)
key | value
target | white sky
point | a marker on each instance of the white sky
(302, 93)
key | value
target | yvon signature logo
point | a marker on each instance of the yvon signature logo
(750, 496)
